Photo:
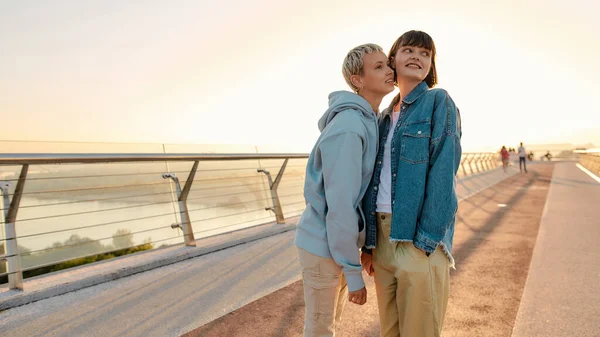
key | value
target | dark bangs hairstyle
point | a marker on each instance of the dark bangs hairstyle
(415, 38)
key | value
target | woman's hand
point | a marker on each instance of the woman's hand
(424, 251)
(366, 260)
(358, 297)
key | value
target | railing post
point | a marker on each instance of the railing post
(470, 161)
(488, 161)
(274, 196)
(11, 208)
(484, 162)
(186, 223)
(462, 164)
(486, 166)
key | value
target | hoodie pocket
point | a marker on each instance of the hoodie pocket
(415, 142)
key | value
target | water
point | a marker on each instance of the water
(74, 210)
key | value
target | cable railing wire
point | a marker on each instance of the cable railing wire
(143, 218)
(222, 187)
(92, 241)
(96, 176)
(225, 216)
(228, 205)
(143, 231)
(132, 174)
(87, 255)
(232, 225)
(140, 185)
(97, 199)
(223, 195)
(95, 211)
(240, 203)
(278, 167)
(137, 206)
(101, 224)
(254, 176)
(289, 186)
(134, 196)
(294, 203)
(244, 212)
(93, 188)
(3, 257)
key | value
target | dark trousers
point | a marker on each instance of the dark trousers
(523, 164)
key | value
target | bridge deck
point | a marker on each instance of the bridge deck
(253, 290)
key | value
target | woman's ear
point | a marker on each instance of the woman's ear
(357, 81)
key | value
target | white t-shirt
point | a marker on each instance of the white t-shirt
(384, 193)
(522, 152)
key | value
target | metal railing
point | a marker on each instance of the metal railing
(590, 159)
(77, 200)
(477, 162)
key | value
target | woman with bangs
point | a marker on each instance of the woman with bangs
(411, 202)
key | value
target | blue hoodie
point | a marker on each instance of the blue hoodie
(338, 173)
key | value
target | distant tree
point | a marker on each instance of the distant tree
(45, 257)
(122, 239)
(82, 245)
(3, 251)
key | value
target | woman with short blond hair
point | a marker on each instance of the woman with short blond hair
(331, 230)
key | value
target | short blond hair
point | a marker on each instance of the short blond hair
(353, 63)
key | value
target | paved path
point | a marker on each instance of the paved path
(562, 295)
(163, 302)
(494, 239)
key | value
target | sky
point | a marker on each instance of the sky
(259, 71)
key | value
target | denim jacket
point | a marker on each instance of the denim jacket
(425, 156)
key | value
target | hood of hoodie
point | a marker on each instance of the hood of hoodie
(342, 100)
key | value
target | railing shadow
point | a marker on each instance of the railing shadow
(479, 235)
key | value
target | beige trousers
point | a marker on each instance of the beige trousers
(412, 289)
(325, 294)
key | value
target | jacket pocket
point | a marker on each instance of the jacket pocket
(415, 142)
(361, 218)
(362, 233)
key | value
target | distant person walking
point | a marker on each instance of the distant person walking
(522, 159)
(505, 155)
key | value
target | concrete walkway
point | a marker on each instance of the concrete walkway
(562, 294)
(495, 234)
(166, 301)
(182, 297)
(63, 282)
